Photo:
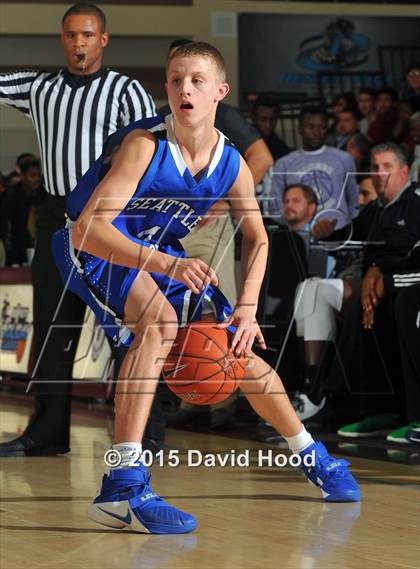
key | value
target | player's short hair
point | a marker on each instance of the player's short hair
(177, 43)
(201, 49)
(86, 9)
(265, 101)
(28, 164)
(397, 150)
(312, 110)
(307, 191)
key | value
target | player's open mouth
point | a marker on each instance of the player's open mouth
(81, 57)
(186, 106)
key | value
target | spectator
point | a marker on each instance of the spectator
(366, 101)
(265, 114)
(341, 102)
(401, 135)
(411, 90)
(381, 128)
(393, 219)
(14, 177)
(347, 125)
(402, 287)
(358, 146)
(415, 136)
(299, 207)
(23, 201)
(327, 170)
(367, 192)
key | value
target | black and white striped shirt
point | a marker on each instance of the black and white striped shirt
(73, 116)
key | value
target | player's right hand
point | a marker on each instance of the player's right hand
(195, 273)
(323, 228)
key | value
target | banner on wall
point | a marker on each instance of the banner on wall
(283, 53)
(93, 360)
(16, 327)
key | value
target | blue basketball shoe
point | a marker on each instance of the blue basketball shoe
(126, 499)
(331, 475)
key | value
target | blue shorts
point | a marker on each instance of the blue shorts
(105, 287)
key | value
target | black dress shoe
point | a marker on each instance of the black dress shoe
(25, 446)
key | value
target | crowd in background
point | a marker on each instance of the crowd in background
(321, 191)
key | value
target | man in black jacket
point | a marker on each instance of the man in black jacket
(398, 225)
(371, 356)
(404, 285)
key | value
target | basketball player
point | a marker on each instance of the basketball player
(153, 184)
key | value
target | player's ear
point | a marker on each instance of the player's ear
(104, 39)
(223, 89)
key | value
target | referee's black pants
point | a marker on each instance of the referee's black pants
(407, 313)
(58, 318)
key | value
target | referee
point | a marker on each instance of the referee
(73, 111)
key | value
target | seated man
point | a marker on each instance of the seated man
(381, 128)
(347, 125)
(299, 206)
(393, 219)
(366, 99)
(367, 191)
(403, 288)
(121, 253)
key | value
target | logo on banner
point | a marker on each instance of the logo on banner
(339, 47)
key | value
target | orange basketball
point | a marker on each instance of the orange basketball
(199, 368)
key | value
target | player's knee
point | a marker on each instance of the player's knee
(159, 327)
(168, 329)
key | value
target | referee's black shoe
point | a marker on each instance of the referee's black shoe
(25, 446)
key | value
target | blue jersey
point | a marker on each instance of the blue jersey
(167, 204)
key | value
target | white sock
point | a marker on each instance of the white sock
(128, 455)
(300, 442)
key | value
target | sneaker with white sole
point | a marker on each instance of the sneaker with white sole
(304, 407)
(378, 425)
(413, 435)
(400, 435)
(331, 475)
(126, 500)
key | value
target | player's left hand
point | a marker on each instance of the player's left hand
(247, 330)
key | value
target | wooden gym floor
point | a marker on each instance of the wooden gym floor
(256, 517)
